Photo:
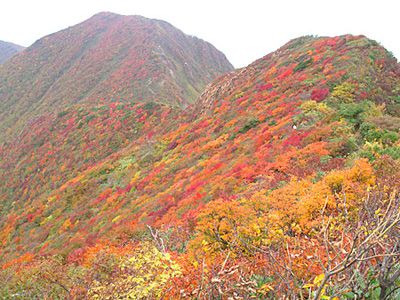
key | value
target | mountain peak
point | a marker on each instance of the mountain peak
(106, 58)
(111, 16)
(105, 14)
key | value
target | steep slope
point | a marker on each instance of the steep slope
(8, 50)
(107, 57)
(237, 183)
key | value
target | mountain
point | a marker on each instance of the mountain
(8, 50)
(108, 57)
(283, 176)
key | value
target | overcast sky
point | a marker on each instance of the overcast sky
(243, 30)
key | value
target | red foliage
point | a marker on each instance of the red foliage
(319, 94)
(264, 87)
(285, 73)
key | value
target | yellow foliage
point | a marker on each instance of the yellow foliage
(344, 93)
(298, 208)
(117, 218)
(135, 177)
(142, 274)
(311, 105)
(315, 284)
(318, 279)
(213, 144)
(335, 181)
(227, 225)
(67, 224)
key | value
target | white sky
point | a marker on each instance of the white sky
(243, 30)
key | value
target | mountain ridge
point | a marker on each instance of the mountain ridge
(226, 82)
(8, 50)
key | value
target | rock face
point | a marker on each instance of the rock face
(107, 58)
(8, 50)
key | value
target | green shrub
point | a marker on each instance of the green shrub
(302, 65)
(62, 114)
(249, 125)
(390, 137)
(88, 118)
(394, 152)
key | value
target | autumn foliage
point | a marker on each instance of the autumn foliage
(282, 181)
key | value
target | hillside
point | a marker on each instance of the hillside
(284, 172)
(8, 50)
(108, 57)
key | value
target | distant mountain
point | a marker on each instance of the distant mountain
(106, 58)
(8, 50)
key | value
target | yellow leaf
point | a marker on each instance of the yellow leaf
(318, 279)
(266, 288)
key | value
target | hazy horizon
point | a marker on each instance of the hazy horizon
(244, 32)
